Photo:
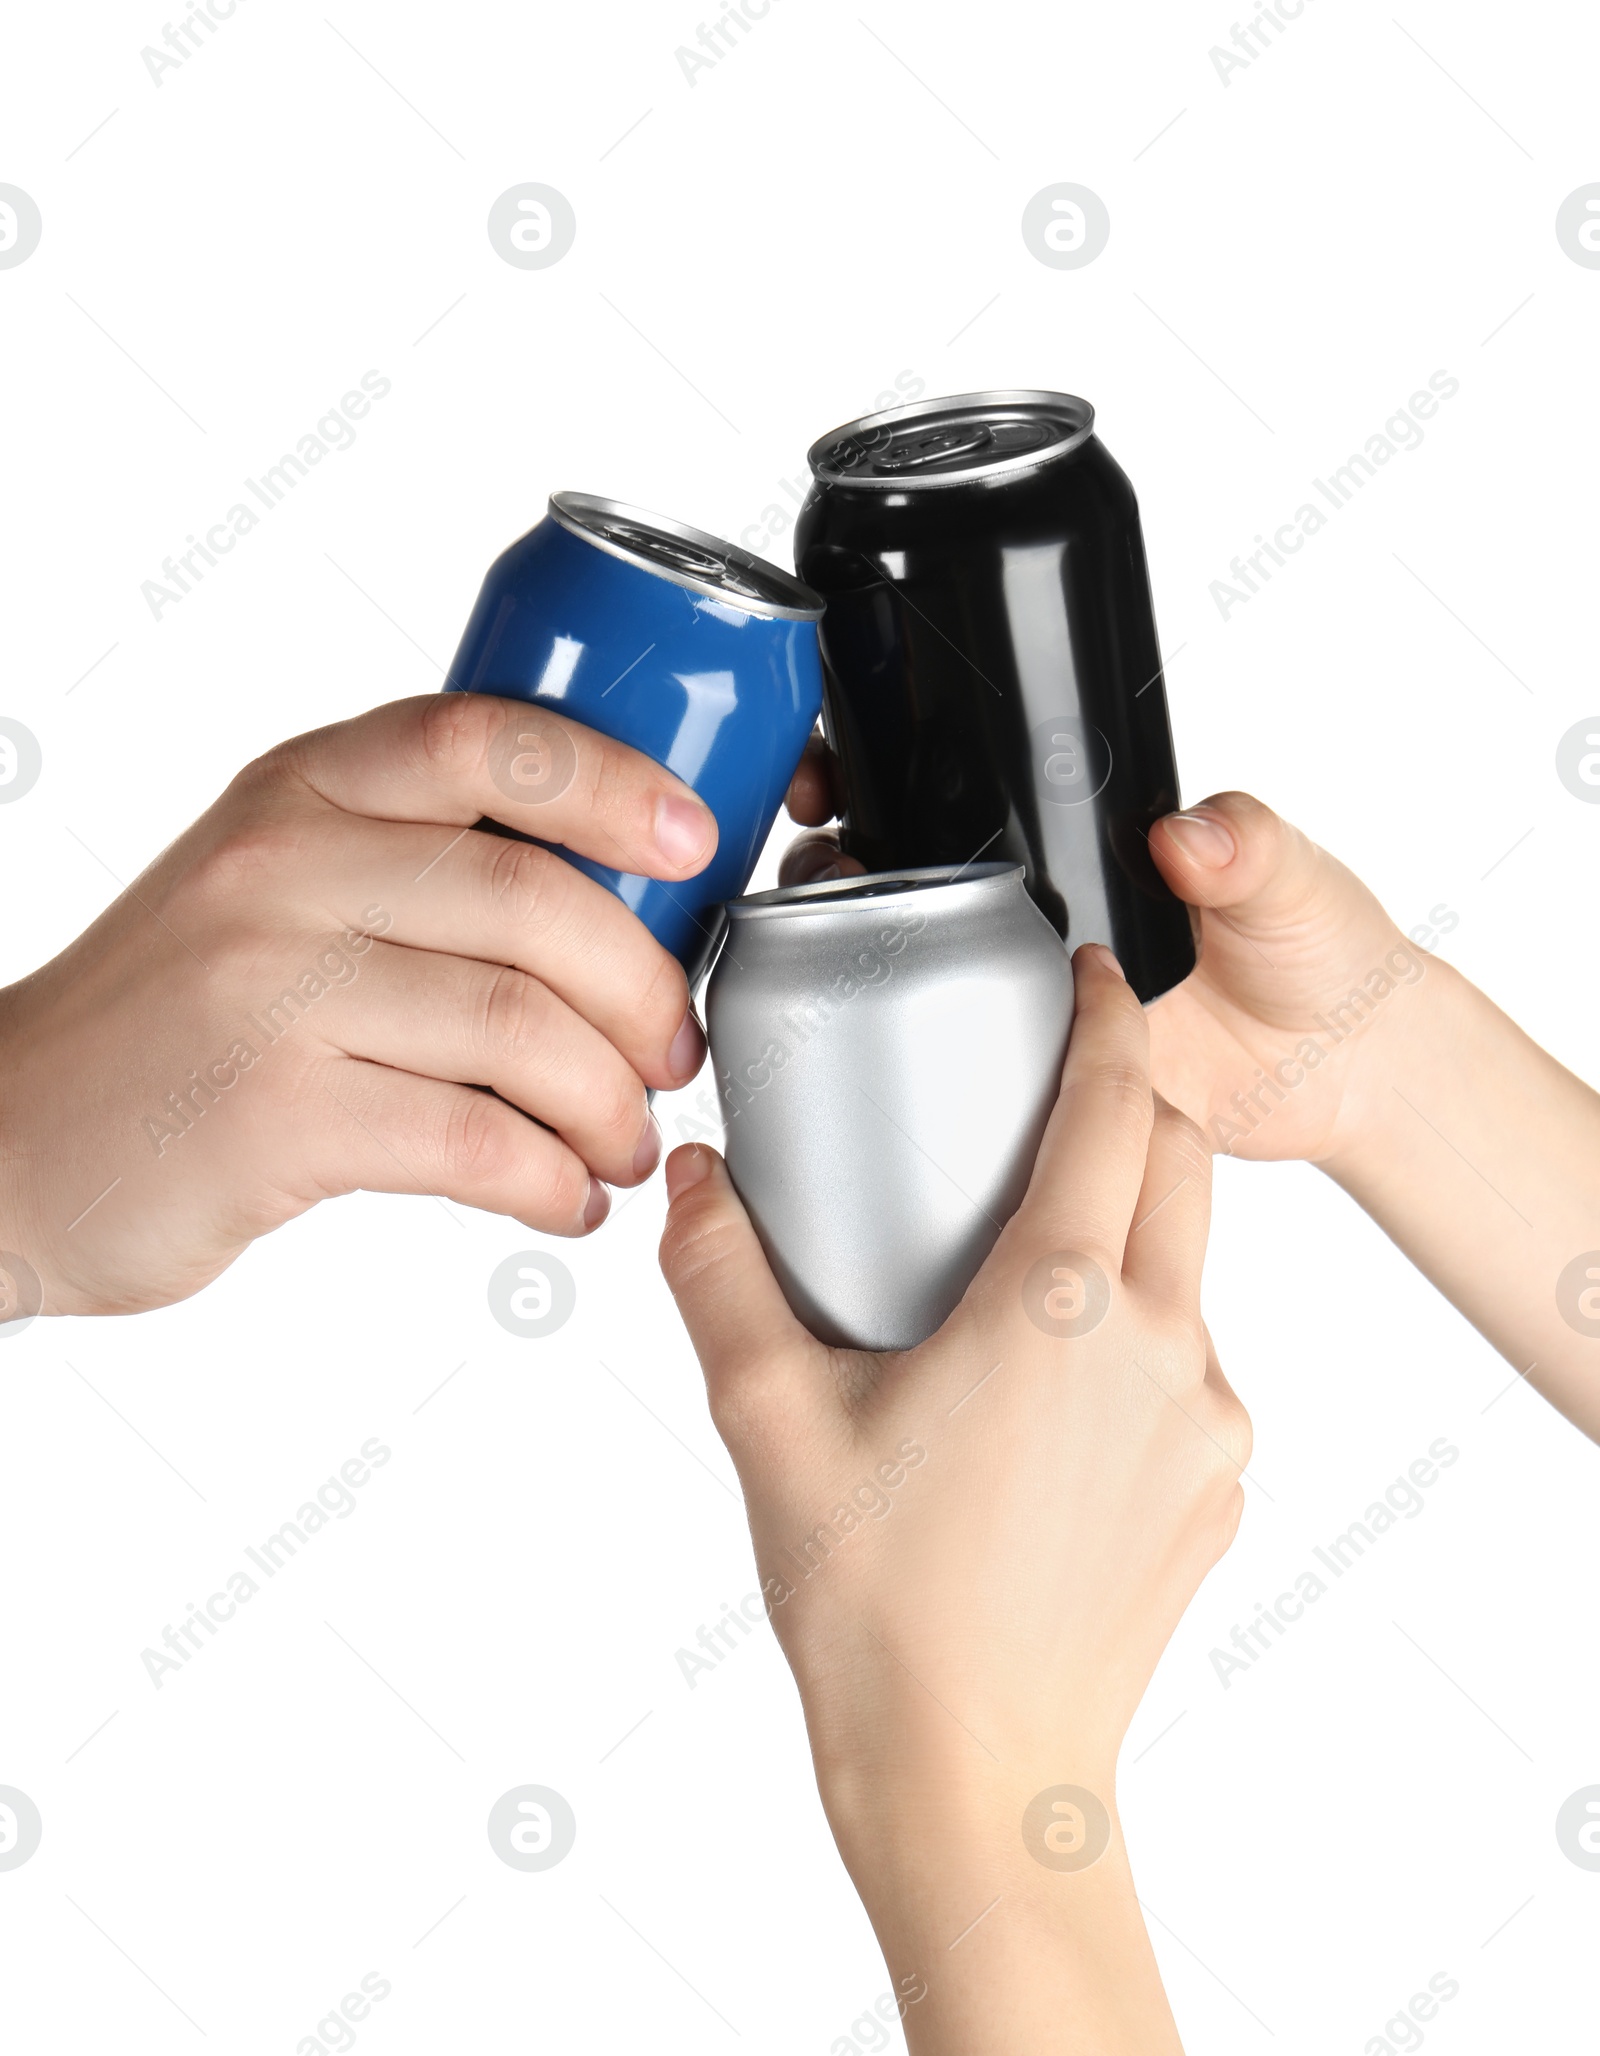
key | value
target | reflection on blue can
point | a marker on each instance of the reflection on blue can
(696, 653)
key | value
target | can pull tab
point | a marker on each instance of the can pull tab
(935, 446)
(725, 571)
(664, 549)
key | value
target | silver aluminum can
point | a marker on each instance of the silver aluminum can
(887, 1052)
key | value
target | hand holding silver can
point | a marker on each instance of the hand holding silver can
(973, 1554)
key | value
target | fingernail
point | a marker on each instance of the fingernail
(1105, 959)
(1204, 839)
(599, 1204)
(685, 831)
(833, 870)
(686, 1168)
(688, 1047)
(648, 1154)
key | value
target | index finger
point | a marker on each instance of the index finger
(454, 758)
(1091, 1163)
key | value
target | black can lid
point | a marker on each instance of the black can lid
(688, 556)
(956, 441)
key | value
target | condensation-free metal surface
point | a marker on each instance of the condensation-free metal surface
(968, 436)
(688, 556)
(721, 689)
(887, 1051)
(992, 679)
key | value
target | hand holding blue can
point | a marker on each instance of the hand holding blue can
(663, 637)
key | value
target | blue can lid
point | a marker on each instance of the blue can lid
(688, 556)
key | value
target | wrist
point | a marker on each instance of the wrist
(1413, 1044)
(950, 1806)
(1005, 1907)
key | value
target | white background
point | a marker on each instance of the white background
(757, 260)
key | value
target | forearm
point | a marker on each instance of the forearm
(992, 1951)
(1479, 1155)
(972, 1630)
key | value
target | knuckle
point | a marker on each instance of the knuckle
(521, 878)
(664, 1000)
(619, 1106)
(756, 1406)
(1117, 1096)
(748, 1410)
(479, 1146)
(1234, 1438)
(1117, 1090)
(265, 777)
(1045, 1231)
(453, 730)
(1122, 1082)
(728, 1402)
(511, 1013)
(560, 1185)
(694, 1242)
(1185, 1142)
(253, 852)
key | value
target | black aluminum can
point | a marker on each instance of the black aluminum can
(991, 676)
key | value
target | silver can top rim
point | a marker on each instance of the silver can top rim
(963, 439)
(690, 557)
(868, 893)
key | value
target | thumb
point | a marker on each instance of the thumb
(748, 1341)
(1231, 851)
(1236, 858)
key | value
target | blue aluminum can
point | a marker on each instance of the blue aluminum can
(658, 635)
